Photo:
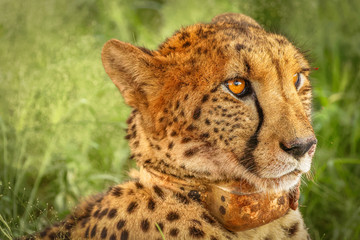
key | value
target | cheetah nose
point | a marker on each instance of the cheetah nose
(298, 147)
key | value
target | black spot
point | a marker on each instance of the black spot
(103, 233)
(120, 224)
(184, 35)
(208, 219)
(96, 213)
(196, 232)
(247, 66)
(112, 237)
(174, 232)
(171, 145)
(177, 105)
(207, 122)
(172, 216)
(186, 44)
(190, 128)
(87, 232)
(185, 140)
(196, 221)
(132, 206)
(112, 213)
(216, 130)
(145, 225)
(124, 235)
(214, 89)
(204, 135)
(190, 152)
(161, 226)
(151, 204)
(186, 97)
(103, 213)
(181, 198)
(139, 185)
(194, 195)
(173, 133)
(222, 210)
(223, 198)
(239, 47)
(213, 238)
(293, 229)
(117, 191)
(189, 176)
(197, 113)
(158, 191)
(93, 231)
(205, 98)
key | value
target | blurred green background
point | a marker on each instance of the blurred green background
(62, 120)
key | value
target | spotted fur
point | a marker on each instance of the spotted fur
(188, 126)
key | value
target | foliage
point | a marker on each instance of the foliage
(62, 121)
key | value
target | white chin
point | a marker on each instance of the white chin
(304, 164)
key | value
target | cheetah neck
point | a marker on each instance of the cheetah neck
(234, 205)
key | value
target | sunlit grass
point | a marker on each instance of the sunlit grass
(62, 121)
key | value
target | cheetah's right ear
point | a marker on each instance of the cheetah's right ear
(133, 70)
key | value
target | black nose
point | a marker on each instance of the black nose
(298, 147)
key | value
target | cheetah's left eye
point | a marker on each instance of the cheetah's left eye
(297, 80)
(239, 87)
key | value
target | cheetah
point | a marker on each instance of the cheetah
(220, 131)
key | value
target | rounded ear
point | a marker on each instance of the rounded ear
(236, 18)
(132, 70)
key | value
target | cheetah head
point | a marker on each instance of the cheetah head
(218, 102)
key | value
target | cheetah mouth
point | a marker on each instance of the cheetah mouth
(291, 174)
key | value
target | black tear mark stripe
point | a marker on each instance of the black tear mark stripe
(260, 114)
(248, 160)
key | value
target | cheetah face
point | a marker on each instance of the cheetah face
(218, 102)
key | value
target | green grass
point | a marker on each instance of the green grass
(62, 121)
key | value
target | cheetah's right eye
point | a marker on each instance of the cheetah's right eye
(238, 87)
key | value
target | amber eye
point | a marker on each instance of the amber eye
(239, 87)
(296, 80)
